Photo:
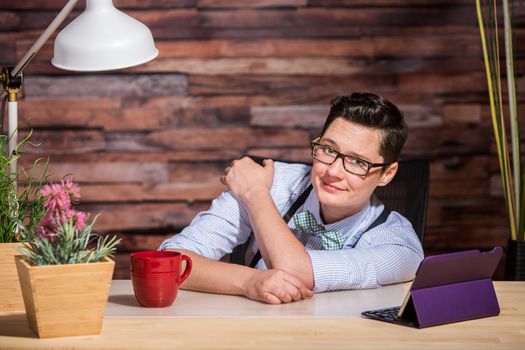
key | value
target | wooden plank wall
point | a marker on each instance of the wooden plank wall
(149, 144)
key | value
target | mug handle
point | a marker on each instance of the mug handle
(187, 269)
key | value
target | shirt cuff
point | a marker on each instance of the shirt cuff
(168, 244)
(178, 241)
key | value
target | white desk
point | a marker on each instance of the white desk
(328, 321)
(122, 303)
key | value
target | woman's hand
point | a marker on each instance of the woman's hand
(275, 287)
(246, 179)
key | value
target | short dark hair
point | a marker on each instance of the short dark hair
(375, 112)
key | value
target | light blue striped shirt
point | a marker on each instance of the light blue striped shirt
(389, 253)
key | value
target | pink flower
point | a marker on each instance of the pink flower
(47, 228)
(56, 198)
(80, 220)
(65, 215)
(71, 188)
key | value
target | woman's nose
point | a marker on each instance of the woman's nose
(336, 169)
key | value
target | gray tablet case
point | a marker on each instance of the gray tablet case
(449, 288)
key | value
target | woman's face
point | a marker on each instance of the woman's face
(341, 193)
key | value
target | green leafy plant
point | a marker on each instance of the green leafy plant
(502, 108)
(64, 235)
(21, 205)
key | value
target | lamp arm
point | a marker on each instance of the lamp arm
(44, 37)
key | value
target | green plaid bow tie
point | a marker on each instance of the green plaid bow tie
(332, 240)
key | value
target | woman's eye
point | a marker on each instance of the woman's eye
(360, 163)
(329, 151)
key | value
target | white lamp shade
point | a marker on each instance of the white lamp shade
(103, 38)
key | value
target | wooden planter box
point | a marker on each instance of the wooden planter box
(65, 300)
(10, 294)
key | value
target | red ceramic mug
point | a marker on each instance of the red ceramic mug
(156, 276)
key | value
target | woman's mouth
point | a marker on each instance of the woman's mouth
(330, 187)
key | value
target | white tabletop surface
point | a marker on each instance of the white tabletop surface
(204, 321)
(122, 303)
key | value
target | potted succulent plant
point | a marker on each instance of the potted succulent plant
(21, 209)
(504, 113)
(65, 269)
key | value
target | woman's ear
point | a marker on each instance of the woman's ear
(388, 174)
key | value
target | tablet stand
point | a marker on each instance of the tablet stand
(453, 287)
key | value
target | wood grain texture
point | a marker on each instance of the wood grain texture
(460, 45)
(148, 144)
(250, 3)
(65, 300)
(10, 293)
(103, 86)
(65, 141)
(277, 332)
(120, 4)
(302, 86)
(168, 217)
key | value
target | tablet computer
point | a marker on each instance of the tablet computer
(447, 288)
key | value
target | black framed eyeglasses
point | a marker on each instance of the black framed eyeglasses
(357, 166)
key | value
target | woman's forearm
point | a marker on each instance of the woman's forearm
(279, 247)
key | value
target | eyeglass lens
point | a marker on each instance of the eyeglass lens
(328, 155)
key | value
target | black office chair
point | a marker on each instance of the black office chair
(407, 194)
